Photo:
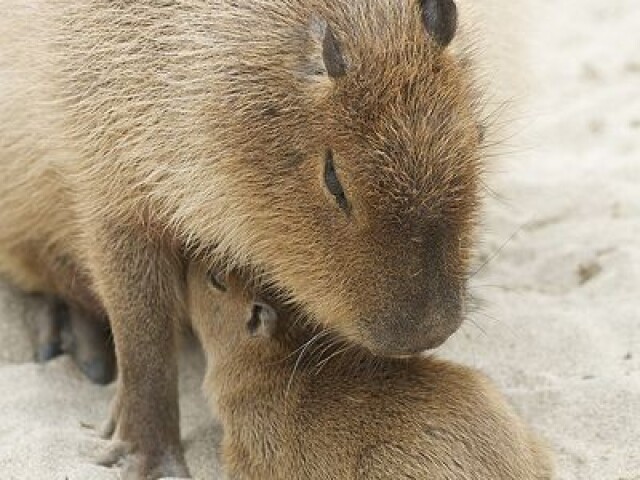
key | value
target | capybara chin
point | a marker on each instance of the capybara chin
(295, 405)
(332, 146)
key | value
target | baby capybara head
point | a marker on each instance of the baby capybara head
(225, 312)
(359, 179)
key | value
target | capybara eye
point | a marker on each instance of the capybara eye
(333, 183)
(216, 279)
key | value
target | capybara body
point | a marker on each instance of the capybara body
(331, 146)
(293, 404)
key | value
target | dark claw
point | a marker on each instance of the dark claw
(91, 346)
(99, 370)
(48, 351)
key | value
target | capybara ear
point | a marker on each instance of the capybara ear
(263, 321)
(217, 279)
(329, 49)
(440, 18)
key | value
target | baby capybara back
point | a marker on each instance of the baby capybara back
(296, 403)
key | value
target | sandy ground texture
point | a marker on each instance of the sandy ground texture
(559, 323)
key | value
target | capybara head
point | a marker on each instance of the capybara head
(225, 312)
(354, 161)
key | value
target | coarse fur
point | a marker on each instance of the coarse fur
(294, 404)
(137, 134)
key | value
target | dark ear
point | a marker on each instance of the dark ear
(440, 18)
(217, 280)
(263, 321)
(332, 57)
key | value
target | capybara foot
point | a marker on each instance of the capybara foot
(150, 459)
(92, 347)
(49, 326)
(136, 466)
(99, 370)
(48, 351)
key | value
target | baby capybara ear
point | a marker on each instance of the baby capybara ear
(217, 279)
(263, 321)
(440, 18)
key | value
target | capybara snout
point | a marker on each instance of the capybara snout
(416, 291)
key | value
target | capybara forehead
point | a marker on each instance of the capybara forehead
(393, 70)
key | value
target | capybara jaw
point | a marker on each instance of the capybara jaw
(406, 348)
(410, 333)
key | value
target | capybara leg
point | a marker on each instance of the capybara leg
(92, 347)
(49, 326)
(142, 289)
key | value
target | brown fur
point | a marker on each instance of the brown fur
(132, 132)
(295, 405)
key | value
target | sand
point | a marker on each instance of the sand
(558, 326)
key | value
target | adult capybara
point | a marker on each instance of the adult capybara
(294, 402)
(332, 146)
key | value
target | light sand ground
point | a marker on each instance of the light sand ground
(559, 329)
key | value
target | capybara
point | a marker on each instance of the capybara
(333, 147)
(296, 403)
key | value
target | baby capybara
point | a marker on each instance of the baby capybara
(296, 403)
